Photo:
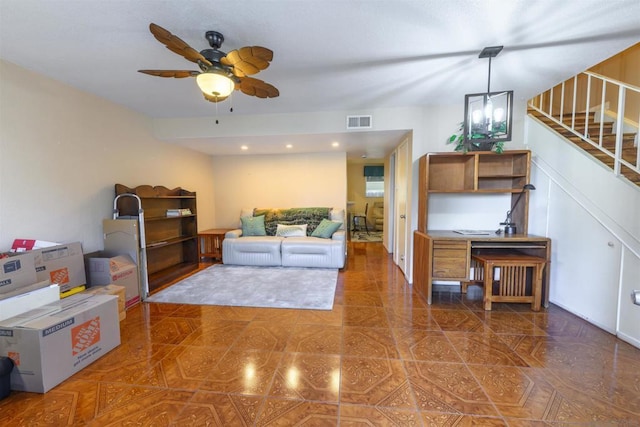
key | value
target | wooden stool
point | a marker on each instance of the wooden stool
(512, 284)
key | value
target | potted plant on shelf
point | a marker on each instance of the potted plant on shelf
(471, 145)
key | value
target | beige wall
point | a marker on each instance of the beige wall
(356, 186)
(62, 151)
(281, 181)
(624, 66)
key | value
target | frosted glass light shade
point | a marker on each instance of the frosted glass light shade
(215, 84)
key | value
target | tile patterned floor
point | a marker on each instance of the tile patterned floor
(381, 357)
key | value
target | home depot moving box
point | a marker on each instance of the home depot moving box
(17, 271)
(50, 343)
(62, 264)
(106, 268)
(116, 290)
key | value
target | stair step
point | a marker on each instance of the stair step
(629, 152)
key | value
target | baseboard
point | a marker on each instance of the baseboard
(626, 338)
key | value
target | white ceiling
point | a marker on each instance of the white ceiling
(329, 55)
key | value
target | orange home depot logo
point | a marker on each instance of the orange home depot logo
(60, 276)
(85, 335)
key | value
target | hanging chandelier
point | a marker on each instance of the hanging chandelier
(488, 115)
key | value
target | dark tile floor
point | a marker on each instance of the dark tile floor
(380, 357)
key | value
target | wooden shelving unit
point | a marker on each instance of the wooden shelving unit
(171, 241)
(446, 255)
(475, 172)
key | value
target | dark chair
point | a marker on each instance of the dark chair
(361, 217)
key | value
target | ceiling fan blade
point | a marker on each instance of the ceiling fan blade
(254, 87)
(248, 60)
(177, 45)
(178, 74)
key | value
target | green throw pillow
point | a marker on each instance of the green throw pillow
(326, 229)
(253, 226)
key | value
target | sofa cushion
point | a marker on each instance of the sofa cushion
(291, 230)
(252, 250)
(253, 226)
(312, 252)
(326, 228)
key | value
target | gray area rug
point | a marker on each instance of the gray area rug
(243, 286)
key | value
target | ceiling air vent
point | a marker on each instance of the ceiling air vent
(359, 122)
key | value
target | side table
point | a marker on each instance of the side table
(210, 243)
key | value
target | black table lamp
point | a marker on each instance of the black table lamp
(509, 225)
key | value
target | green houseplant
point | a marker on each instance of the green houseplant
(462, 146)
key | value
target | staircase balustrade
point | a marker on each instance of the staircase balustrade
(601, 112)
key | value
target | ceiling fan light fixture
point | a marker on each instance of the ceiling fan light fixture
(215, 84)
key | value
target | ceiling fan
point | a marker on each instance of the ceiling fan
(220, 73)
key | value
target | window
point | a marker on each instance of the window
(374, 181)
(374, 186)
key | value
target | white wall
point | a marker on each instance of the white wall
(278, 181)
(62, 151)
(593, 220)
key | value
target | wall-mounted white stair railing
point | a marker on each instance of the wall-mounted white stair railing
(602, 112)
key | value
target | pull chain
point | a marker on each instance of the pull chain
(230, 109)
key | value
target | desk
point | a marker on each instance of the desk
(446, 255)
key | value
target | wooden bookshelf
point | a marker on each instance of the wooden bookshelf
(171, 241)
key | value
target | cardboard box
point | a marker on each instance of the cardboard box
(62, 264)
(52, 342)
(17, 271)
(106, 268)
(112, 289)
(33, 296)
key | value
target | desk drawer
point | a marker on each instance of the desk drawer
(450, 259)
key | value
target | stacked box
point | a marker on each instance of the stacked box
(54, 341)
(27, 298)
(106, 268)
(62, 264)
(112, 289)
(17, 271)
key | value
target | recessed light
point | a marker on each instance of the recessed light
(335, 144)
(289, 146)
(244, 147)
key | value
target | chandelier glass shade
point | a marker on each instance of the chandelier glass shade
(215, 84)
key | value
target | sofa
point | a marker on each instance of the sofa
(292, 237)
(378, 216)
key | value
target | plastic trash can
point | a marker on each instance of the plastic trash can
(6, 366)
